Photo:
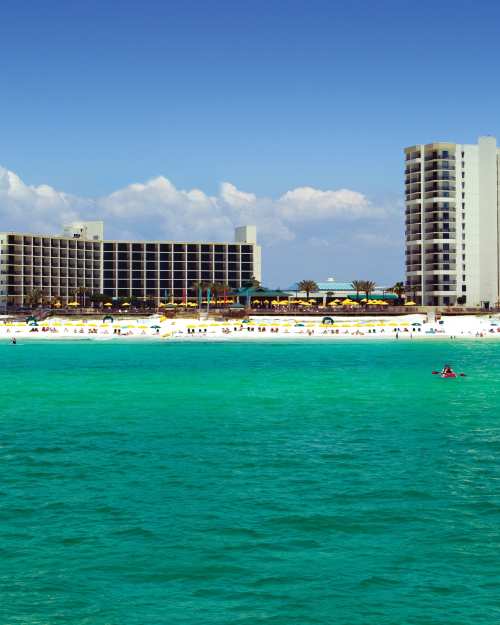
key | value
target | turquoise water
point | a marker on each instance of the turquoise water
(241, 483)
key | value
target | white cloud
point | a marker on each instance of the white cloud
(157, 209)
(375, 239)
(318, 242)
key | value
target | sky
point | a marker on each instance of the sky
(184, 119)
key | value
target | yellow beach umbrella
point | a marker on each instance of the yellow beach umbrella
(126, 304)
(410, 304)
(108, 304)
(347, 302)
(72, 303)
(256, 301)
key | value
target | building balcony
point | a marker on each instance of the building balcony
(435, 285)
(439, 249)
(440, 218)
(439, 177)
(413, 209)
(439, 156)
(440, 267)
(413, 196)
(414, 237)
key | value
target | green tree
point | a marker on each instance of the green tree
(33, 298)
(368, 287)
(357, 285)
(399, 290)
(308, 286)
(251, 283)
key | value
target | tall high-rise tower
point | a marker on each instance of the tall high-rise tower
(452, 223)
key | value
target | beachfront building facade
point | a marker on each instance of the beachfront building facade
(452, 194)
(58, 267)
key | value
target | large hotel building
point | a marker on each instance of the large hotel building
(452, 223)
(81, 258)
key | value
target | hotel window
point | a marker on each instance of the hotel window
(464, 288)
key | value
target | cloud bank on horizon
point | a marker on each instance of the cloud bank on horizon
(157, 209)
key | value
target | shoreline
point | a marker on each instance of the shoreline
(410, 327)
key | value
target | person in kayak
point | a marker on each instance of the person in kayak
(447, 370)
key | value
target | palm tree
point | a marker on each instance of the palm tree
(81, 293)
(357, 285)
(33, 297)
(224, 288)
(308, 286)
(399, 290)
(368, 287)
(252, 283)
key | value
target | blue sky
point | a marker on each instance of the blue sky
(268, 96)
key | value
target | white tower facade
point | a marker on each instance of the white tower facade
(452, 223)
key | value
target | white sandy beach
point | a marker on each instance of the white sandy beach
(404, 327)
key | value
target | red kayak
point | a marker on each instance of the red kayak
(449, 374)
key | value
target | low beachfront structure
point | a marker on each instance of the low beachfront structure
(57, 267)
(331, 289)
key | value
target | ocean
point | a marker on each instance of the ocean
(158, 483)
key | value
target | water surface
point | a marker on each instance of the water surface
(242, 483)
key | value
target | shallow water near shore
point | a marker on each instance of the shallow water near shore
(285, 483)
